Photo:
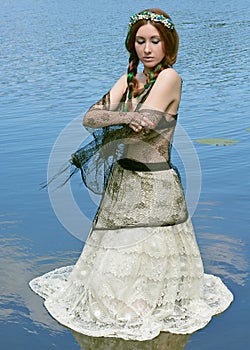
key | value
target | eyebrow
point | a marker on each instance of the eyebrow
(152, 37)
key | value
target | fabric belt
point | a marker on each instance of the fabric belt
(133, 165)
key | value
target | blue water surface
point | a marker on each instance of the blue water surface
(57, 59)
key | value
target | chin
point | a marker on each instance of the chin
(150, 66)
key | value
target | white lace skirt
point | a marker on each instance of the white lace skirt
(140, 272)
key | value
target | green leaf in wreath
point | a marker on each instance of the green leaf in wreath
(217, 141)
(248, 129)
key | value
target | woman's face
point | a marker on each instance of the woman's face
(149, 46)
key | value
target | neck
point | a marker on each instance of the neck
(146, 72)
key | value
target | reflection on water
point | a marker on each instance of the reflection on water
(225, 257)
(18, 266)
(223, 254)
(165, 341)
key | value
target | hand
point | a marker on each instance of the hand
(143, 123)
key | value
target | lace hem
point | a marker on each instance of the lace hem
(183, 317)
(127, 293)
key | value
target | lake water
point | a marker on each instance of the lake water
(59, 57)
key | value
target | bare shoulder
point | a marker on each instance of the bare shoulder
(166, 91)
(121, 83)
(117, 91)
(169, 76)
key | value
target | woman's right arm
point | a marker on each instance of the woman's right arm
(104, 112)
(99, 118)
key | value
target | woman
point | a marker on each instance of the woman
(140, 271)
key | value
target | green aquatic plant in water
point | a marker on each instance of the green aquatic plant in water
(217, 141)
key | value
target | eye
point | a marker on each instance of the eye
(140, 41)
(155, 41)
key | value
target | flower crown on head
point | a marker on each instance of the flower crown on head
(151, 16)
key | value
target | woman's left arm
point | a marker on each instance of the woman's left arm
(164, 96)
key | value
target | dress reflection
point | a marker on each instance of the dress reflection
(164, 341)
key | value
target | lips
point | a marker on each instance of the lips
(148, 59)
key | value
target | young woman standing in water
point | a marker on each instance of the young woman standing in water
(140, 272)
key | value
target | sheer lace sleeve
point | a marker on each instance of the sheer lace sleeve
(109, 134)
(102, 114)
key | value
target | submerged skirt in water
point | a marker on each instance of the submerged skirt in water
(140, 272)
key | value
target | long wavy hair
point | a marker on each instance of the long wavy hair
(170, 40)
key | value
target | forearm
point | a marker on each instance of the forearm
(99, 118)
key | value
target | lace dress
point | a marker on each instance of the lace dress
(140, 272)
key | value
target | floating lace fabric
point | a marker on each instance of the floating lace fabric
(140, 272)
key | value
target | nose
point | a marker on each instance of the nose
(147, 47)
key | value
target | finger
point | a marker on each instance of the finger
(147, 123)
(136, 128)
(135, 123)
